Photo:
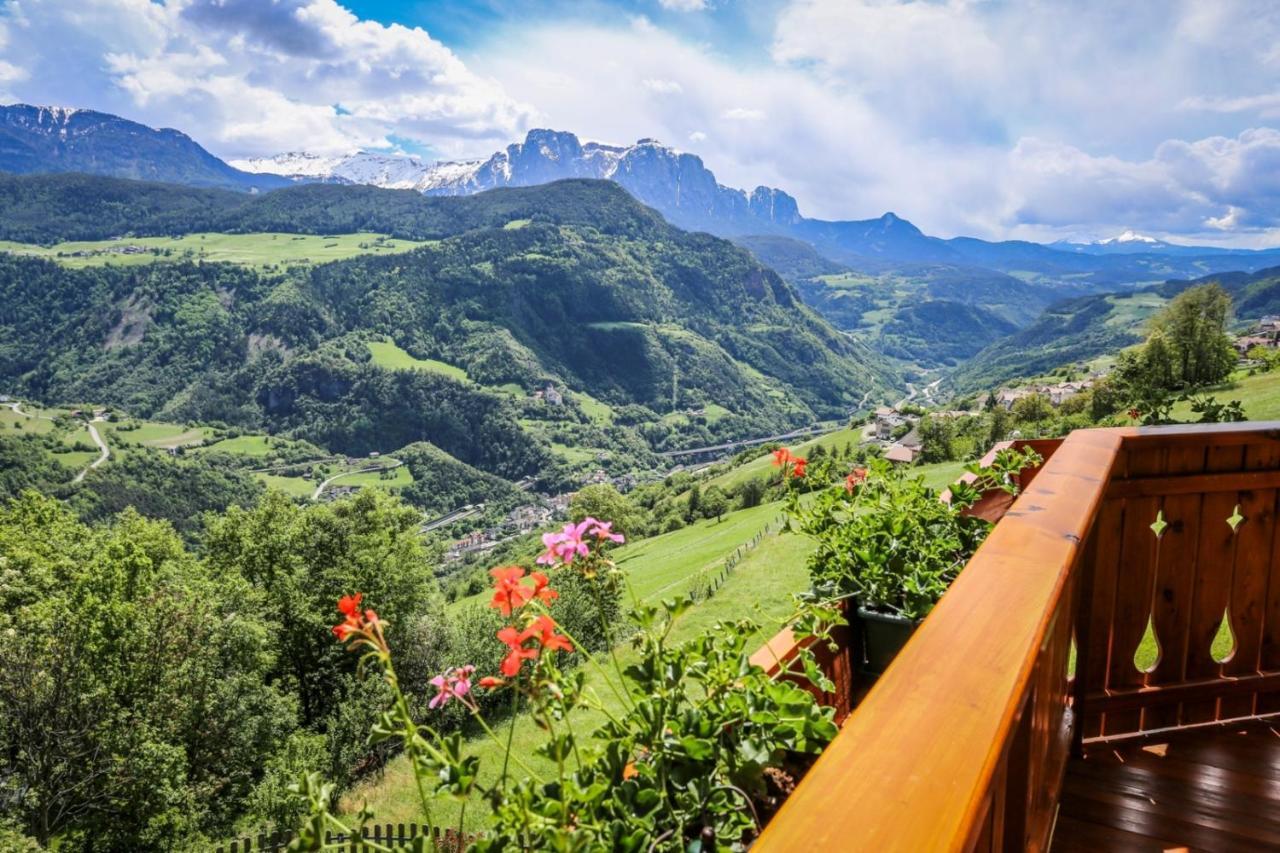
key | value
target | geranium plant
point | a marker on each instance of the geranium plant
(889, 542)
(695, 759)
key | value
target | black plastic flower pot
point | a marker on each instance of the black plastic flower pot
(883, 636)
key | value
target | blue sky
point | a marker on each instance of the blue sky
(1031, 119)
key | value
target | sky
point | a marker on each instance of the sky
(1022, 119)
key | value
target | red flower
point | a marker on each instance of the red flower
(797, 466)
(781, 457)
(855, 478)
(1135, 414)
(517, 654)
(508, 593)
(490, 682)
(366, 625)
(543, 630)
(540, 589)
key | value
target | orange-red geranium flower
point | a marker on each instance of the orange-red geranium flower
(781, 456)
(366, 626)
(490, 682)
(856, 476)
(517, 653)
(797, 466)
(540, 589)
(543, 629)
(508, 592)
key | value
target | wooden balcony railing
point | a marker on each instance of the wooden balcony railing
(1123, 534)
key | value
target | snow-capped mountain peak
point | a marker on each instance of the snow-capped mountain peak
(1129, 236)
(394, 171)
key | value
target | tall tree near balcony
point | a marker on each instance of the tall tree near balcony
(1194, 328)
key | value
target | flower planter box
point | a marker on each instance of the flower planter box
(883, 636)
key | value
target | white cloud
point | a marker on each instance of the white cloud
(743, 114)
(697, 136)
(1217, 183)
(662, 87)
(683, 5)
(247, 77)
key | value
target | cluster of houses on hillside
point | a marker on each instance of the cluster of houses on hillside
(896, 432)
(1057, 394)
(1265, 334)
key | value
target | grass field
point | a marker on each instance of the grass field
(293, 486)
(8, 417)
(1259, 396)
(243, 445)
(158, 434)
(399, 477)
(257, 250)
(388, 355)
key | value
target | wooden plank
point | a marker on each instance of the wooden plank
(1249, 578)
(1135, 583)
(1095, 612)
(1269, 653)
(1152, 487)
(1212, 590)
(1187, 691)
(913, 767)
(1175, 579)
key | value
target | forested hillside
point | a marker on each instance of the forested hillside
(573, 284)
(1080, 329)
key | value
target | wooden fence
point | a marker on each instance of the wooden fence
(410, 836)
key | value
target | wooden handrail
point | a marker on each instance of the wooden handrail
(961, 744)
(912, 768)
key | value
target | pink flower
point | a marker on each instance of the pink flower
(568, 543)
(603, 531)
(451, 684)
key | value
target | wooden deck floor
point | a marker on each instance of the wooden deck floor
(1213, 789)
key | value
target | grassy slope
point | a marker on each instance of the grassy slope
(248, 249)
(1259, 396)
(388, 355)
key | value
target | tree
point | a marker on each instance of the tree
(715, 503)
(1033, 408)
(604, 502)
(936, 437)
(751, 492)
(693, 508)
(1000, 424)
(1195, 327)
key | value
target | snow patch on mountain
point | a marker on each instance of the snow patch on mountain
(1129, 236)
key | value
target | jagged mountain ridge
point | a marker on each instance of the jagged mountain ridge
(60, 139)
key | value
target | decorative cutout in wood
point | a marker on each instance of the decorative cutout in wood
(1147, 655)
(1159, 525)
(1224, 642)
(1235, 519)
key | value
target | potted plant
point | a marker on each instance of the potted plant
(889, 546)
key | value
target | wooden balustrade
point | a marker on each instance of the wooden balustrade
(963, 742)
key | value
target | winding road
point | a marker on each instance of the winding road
(104, 452)
(395, 463)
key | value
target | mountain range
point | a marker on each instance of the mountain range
(675, 183)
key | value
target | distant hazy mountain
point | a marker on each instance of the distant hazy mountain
(57, 139)
(687, 193)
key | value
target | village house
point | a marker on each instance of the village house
(888, 419)
(900, 454)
